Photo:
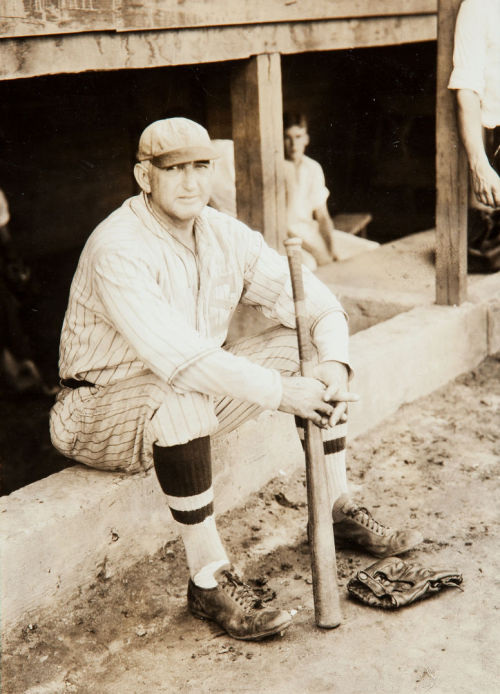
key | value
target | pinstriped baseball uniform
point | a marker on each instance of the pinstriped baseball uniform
(146, 322)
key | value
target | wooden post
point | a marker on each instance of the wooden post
(257, 115)
(451, 173)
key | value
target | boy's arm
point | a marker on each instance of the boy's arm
(325, 226)
(485, 180)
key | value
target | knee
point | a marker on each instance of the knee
(182, 418)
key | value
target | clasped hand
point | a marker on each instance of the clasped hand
(486, 184)
(322, 399)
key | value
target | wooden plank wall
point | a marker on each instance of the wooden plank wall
(44, 17)
(257, 115)
(48, 55)
(451, 173)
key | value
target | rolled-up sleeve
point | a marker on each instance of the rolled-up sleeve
(470, 46)
(318, 192)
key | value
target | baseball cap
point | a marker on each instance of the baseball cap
(175, 141)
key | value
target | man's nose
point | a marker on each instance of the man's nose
(189, 178)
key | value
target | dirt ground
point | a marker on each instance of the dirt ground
(433, 466)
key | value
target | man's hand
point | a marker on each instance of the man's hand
(305, 397)
(335, 377)
(486, 184)
(323, 399)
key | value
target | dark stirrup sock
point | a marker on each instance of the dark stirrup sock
(185, 476)
(334, 447)
(185, 471)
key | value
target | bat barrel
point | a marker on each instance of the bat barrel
(321, 538)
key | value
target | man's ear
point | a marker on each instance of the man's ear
(307, 139)
(141, 173)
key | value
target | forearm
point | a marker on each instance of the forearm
(485, 181)
(221, 373)
(325, 227)
(470, 128)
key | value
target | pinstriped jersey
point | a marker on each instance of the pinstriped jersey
(142, 301)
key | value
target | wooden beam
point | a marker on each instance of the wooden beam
(257, 116)
(451, 173)
(50, 55)
(46, 17)
(159, 14)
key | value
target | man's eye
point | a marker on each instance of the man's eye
(202, 164)
(174, 167)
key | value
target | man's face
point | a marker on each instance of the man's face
(296, 141)
(180, 192)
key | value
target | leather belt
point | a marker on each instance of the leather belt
(75, 383)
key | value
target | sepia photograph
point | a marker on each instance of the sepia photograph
(250, 346)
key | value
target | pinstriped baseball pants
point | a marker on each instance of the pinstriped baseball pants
(114, 427)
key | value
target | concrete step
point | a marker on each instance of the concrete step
(395, 277)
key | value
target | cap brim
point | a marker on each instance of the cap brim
(184, 155)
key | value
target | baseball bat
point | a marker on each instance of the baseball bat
(321, 539)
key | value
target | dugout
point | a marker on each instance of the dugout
(79, 80)
(68, 141)
(57, 37)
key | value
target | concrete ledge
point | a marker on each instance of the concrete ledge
(378, 284)
(486, 291)
(66, 530)
(396, 277)
(411, 355)
(493, 308)
(60, 533)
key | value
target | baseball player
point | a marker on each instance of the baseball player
(146, 378)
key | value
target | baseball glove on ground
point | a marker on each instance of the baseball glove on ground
(392, 583)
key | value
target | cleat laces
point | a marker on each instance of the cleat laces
(239, 591)
(362, 515)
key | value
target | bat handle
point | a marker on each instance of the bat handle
(293, 248)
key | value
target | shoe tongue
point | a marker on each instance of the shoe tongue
(350, 508)
(341, 507)
(231, 578)
(210, 575)
(219, 574)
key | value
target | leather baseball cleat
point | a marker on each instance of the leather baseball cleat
(234, 606)
(355, 524)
